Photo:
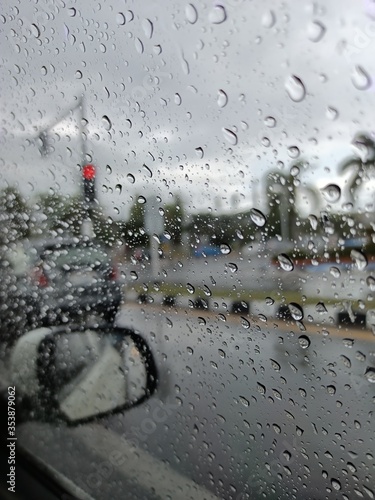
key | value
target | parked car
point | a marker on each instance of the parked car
(65, 280)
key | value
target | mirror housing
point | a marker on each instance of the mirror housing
(79, 373)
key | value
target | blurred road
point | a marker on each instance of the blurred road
(232, 403)
(252, 272)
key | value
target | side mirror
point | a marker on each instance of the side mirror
(77, 374)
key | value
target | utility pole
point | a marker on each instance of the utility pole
(88, 170)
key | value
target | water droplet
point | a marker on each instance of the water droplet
(107, 124)
(360, 78)
(331, 193)
(348, 343)
(335, 271)
(276, 428)
(331, 389)
(313, 221)
(359, 258)
(351, 467)
(230, 136)
(72, 12)
(232, 267)
(191, 13)
(221, 353)
(120, 19)
(315, 31)
(139, 47)
(244, 401)
(269, 301)
(201, 321)
(293, 152)
(118, 188)
(131, 178)
(257, 217)
(295, 88)
(270, 122)
(331, 113)
(35, 30)
(245, 323)
(199, 152)
(370, 375)
(268, 19)
(190, 288)
(261, 388)
(177, 99)
(133, 275)
(360, 356)
(275, 365)
(296, 311)
(148, 28)
(141, 200)
(370, 281)
(304, 341)
(217, 15)
(320, 308)
(336, 485)
(285, 262)
(225, 249)
(222, 99)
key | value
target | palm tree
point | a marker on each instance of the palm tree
(360, 166)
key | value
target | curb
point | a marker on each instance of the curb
(331, 315)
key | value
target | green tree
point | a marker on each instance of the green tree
(173, 220)
(14, 215)
(133, 231)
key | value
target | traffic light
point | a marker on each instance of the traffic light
(88, 174)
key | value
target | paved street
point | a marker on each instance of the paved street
(230, 401)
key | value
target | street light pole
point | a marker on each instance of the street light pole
(80, 108)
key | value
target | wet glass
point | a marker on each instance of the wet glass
(223, 154)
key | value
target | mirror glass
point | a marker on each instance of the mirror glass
(82, 374)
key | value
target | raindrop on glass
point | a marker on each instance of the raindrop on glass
(296, 311)
(370, 375)
(107, 124)
(257, 217)
(217, 15)
(295, 88)
(191, 13)
(120, 19)
(285, 262)
(225, 249)
(268, 19)
(359, 258)
(331, 193)
(360, 78)
(304, 341)
(199, 152)
(222, 99)
(315, 31)
(230, 136)
(270, 122)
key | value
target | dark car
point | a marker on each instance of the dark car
(65, 280)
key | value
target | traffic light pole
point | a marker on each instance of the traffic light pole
(80, 107)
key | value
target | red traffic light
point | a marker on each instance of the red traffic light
(88, 172)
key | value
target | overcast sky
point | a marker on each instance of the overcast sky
(204, 94)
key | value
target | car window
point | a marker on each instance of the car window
(219, 159)
(70, 256)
